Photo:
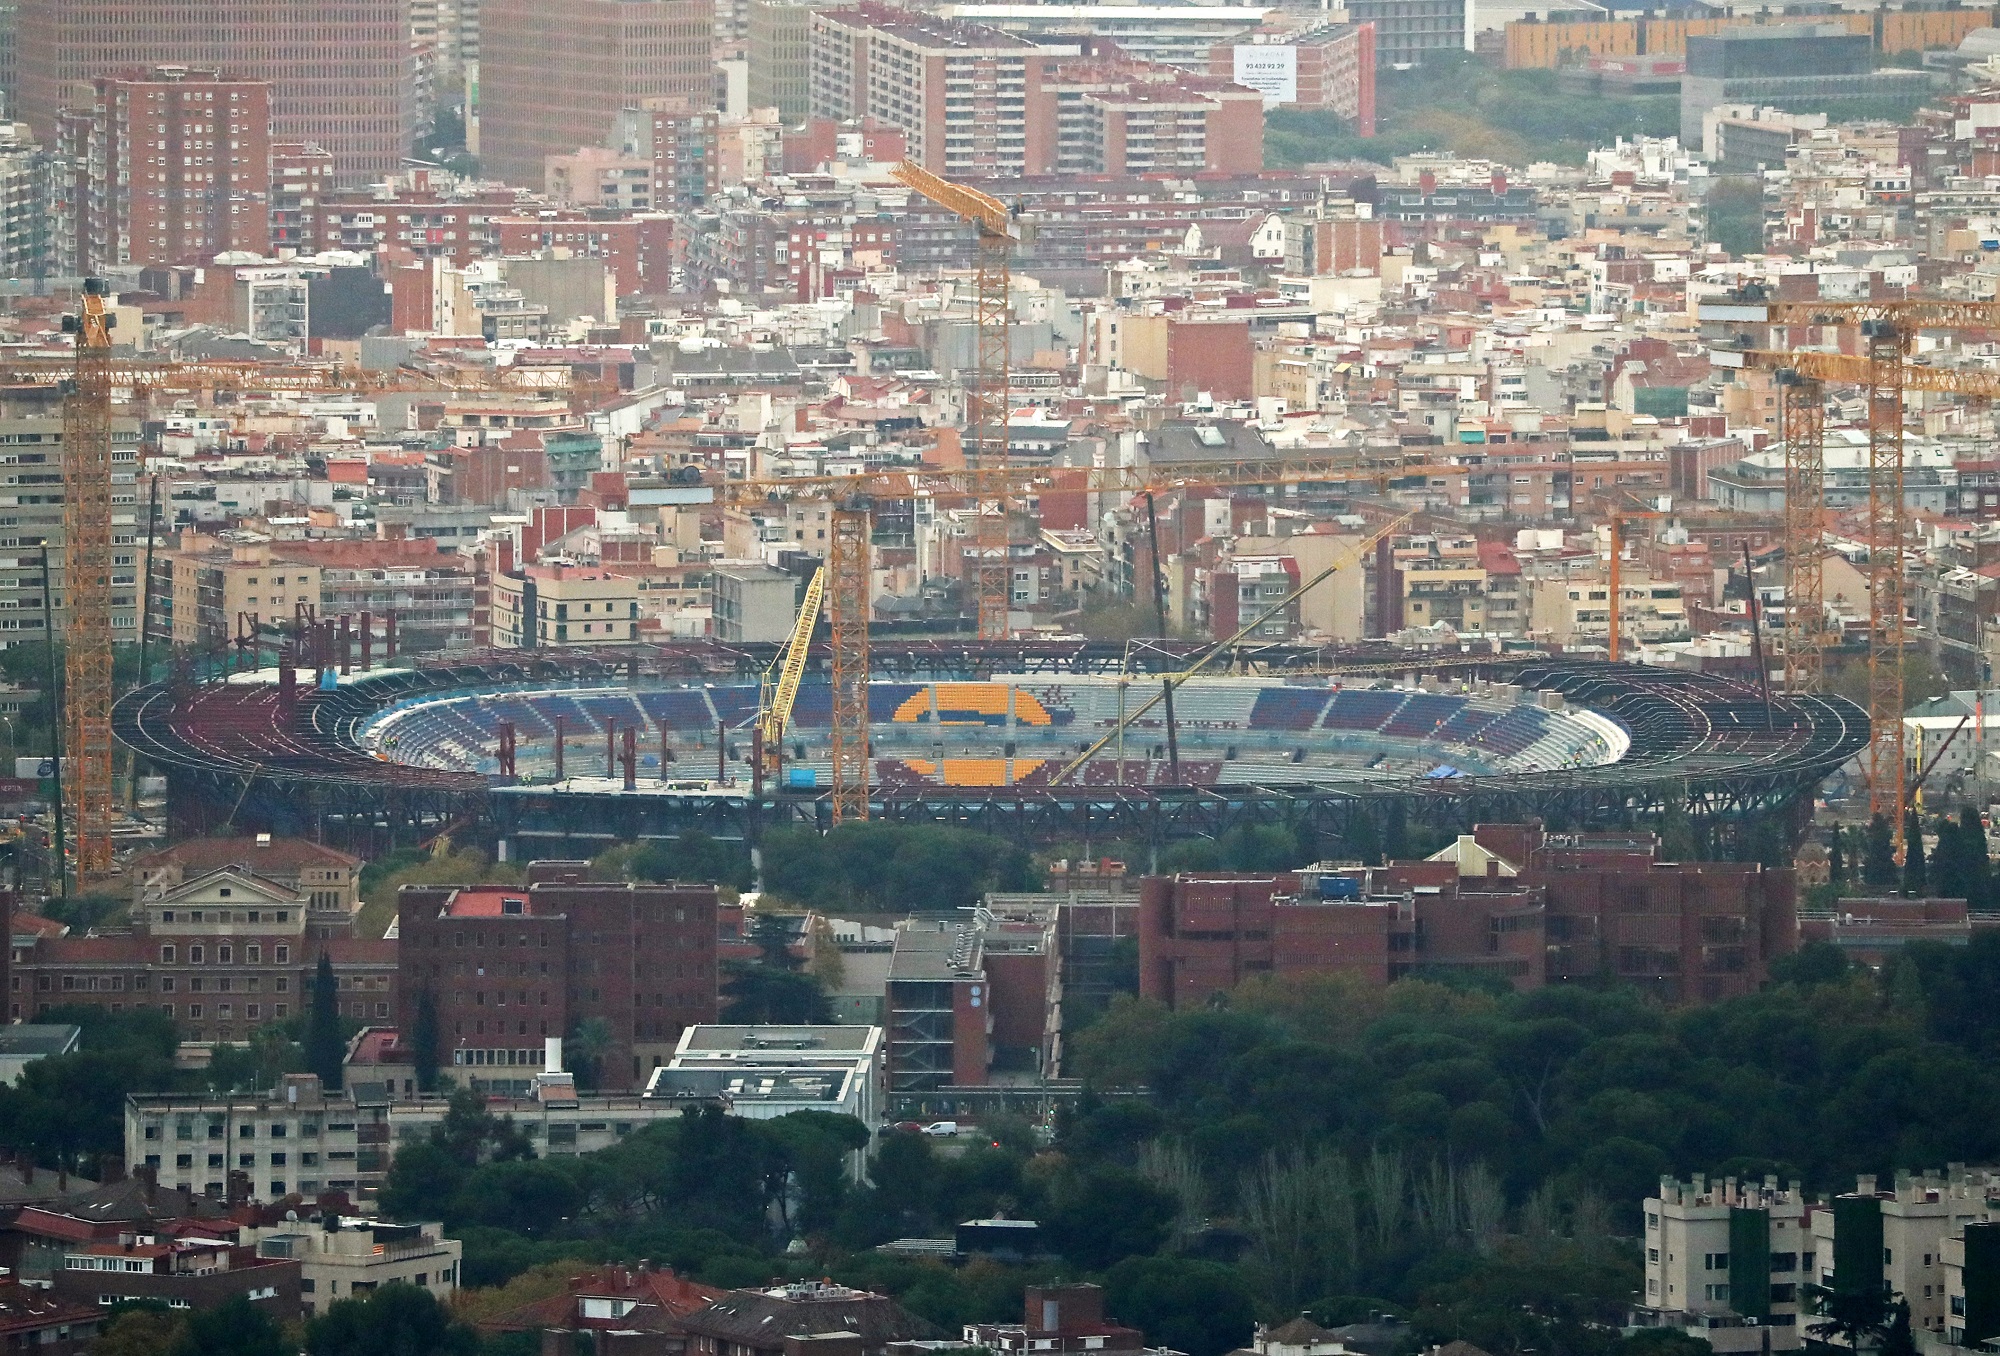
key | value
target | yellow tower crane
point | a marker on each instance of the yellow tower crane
(1888, 329)
(1617, 518)
(986, 395)
(87, 558)
(781, 680)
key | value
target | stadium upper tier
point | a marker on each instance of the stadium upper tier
(1020, 731)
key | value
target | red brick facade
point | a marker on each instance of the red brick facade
(507, 967)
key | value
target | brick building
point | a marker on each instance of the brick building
(1508, 898)
(974, 101)
(508, 967)
(1061, 1319)
(967, 97)
(221, 952)
(174, 167)
(555, 77)
(339, 71)
(300, 176)
(968, 999)
(680, 145)
(1328, 66)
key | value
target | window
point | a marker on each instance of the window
(1784, 1261)
(1716, 1292)
(284, 955)
(167, 955)
(1715, 1261)
(194, 955)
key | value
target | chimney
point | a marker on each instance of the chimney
(27, 1169)
(149, 1178)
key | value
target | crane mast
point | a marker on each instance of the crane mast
(87, 561)
(986, 394)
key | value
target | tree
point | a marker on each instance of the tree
(755, 994)
(1736, 214)
(234, 1328)
(423, 1182)
(1813, 963)
(424, 1042)
(1201, 1308)
(1878, 861)
(397, 1320)
(585, 1050)
(1916, 879)
(325, 1047)
(1103, 1214)
(523, 1196)
(144, 1329)
(1978, 870)
(1836, 858)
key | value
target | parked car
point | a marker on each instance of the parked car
(941, 1129)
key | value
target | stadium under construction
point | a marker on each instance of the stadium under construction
(558, 753)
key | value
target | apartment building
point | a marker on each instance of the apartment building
(301, 174)
(1898, 1238)
(1176, 35)
(564, 605)
(1132, 117)
(554, 77)
(1243, 588)
(220, 587)
(339, 74)
(778, 47)
(31, 516)
(1569, 612)
(299, 1137)
(967, 98)
(1327, 65)
(342, 1257)
(753, 603)
(509, 968)
(25, 205)
(1408, 31)
(1440, 581)
(175, 168)
(680, 146)
(210, 589)
(1725, 1261)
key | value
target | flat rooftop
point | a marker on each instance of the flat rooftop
(936, 951)
(700, 1040)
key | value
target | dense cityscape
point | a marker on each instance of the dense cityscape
(767, 678)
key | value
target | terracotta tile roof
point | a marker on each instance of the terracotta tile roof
(198, 855)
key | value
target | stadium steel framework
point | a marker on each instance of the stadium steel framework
(246, 756)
